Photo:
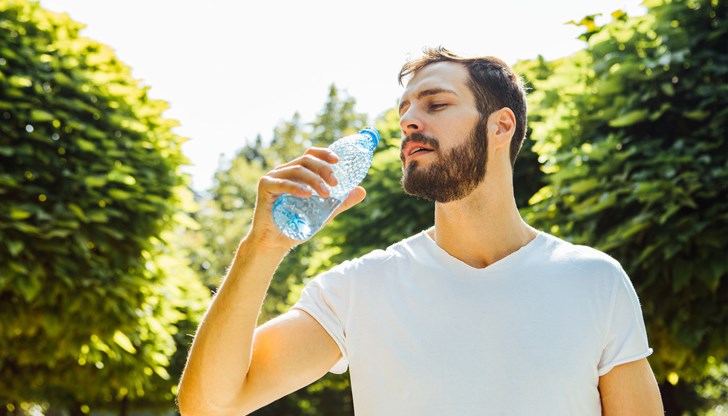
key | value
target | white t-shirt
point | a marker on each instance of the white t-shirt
(426, 334)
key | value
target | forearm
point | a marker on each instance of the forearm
(220, 355)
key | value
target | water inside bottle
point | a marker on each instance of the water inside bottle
(300, 218)
(352, 167)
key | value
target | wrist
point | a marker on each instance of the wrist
(253, 246)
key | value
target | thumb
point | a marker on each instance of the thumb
(355, 196)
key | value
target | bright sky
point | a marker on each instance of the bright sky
(231, 69)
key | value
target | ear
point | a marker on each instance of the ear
(501, 127)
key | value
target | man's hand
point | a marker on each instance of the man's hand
(300, 177)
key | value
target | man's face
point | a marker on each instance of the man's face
(444, 146)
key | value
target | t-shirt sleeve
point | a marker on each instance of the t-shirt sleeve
(626, 336)
(326, 299)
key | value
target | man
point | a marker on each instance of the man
(481, 314)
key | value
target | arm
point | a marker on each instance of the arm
(630, 389)
(234, 368)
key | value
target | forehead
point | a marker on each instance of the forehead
(446, 75)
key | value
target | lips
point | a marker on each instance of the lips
(413, 149)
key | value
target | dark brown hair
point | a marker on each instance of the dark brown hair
(492, 81)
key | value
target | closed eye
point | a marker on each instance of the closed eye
(435, 107)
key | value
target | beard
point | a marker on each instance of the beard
(452, 176)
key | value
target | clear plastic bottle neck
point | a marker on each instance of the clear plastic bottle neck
(372, 137)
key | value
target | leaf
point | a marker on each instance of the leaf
(78, 211)
(618, 14)
(120, 195)
(30, 287)
(17, 268)
(98, 216)
(124, 342)
(19, 214)
(86, 145)
(26, 228)
(40, 115)
(637, 225)
(669, 212)
(696, 115)
(583, 185)
(541, 195)
(15, 247)
(667, 88)
(611, 85)
(112, 232)
(57, 233)
(20, 81)
(629, 119)
(95, 181)
(657, 114)
(162, 372)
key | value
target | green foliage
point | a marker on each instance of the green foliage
(628, 137)
(224, 218)
(632, 135)
(90, 294)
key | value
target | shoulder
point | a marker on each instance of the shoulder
(587, 259)
(587, 271)
(379, 260)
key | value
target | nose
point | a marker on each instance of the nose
(410, 123)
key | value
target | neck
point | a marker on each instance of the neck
(483, 227)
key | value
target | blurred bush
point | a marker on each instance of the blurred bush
(632, 133)
(91, 294)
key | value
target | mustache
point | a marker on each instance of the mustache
(429, 141)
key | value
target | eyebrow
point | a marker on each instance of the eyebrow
(428, 92)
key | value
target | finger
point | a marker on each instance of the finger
(304, 176)
(355, 196)
(316, 165)
(323, 153)
(276, 186)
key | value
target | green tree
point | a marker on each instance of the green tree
(290, 140)
(633, 139)
(90, 294)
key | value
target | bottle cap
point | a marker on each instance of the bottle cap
(373, 133)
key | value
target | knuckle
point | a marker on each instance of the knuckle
(312, 149)
(299, 170)
(268, 180)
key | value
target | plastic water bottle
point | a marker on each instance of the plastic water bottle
(300, 218)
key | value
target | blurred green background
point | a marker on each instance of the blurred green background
(108, 258)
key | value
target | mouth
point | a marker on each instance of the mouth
(418, 152)
(413, 150)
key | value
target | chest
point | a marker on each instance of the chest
(424, 333)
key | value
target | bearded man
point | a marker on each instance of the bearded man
(480, 314)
